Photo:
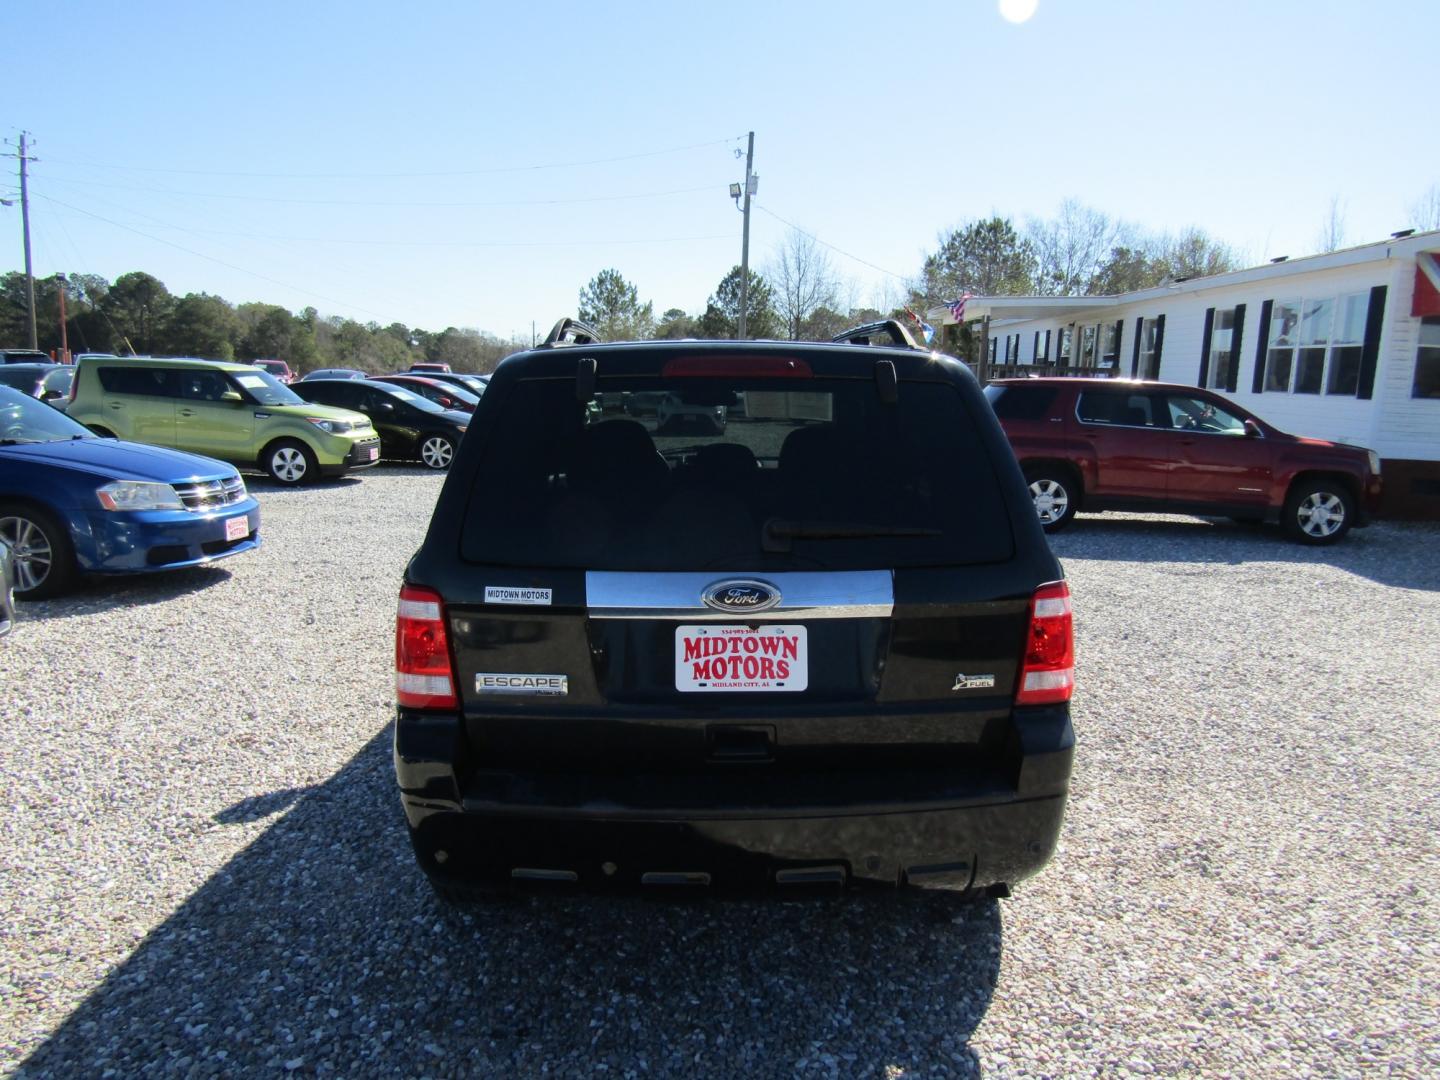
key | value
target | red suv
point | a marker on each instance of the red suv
(1114, 444)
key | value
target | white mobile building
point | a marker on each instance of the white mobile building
(1342, 346)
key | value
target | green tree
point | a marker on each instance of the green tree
(612, 305)
(1127, 270)
(675, 324)
(201, 325)
(722, 312)
(987, 258)
(138, 305)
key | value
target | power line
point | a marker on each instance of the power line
(396, 243)
(407, 175)
(832, 247)
(372, 203)
(211, 258)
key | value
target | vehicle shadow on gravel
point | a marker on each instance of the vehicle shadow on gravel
(319, 948)
(1398, 554)
(98, 592)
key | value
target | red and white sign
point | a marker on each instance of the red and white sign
(237, 528)
(1427, 285)
(728, 659)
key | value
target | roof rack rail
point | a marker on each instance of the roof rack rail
(891, 332)
(570, 331)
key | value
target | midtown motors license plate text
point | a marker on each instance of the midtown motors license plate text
(741, 658)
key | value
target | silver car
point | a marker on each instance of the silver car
(7, 589)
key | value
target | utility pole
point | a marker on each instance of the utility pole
(64, 356)
(744, 244)
(25, 226)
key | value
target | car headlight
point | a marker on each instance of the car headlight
(138, 495)
(333, 427)
(1374, 461)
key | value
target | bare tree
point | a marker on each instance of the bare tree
(803, 281)
(1071, 249)
(1425, 211)
(1331, 236)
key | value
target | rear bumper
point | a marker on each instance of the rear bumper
(737, 829)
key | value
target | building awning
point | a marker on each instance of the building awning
(1427, 285)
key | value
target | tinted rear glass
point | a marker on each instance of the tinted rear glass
(136, 379)
(1020, 402)
(728, 474)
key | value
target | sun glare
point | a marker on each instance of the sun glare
(1017, 11)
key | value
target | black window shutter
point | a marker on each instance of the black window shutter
(1035, 348)
(1262, 348)
(1370, 357)
(1205, 346)
(1159, 341)
(1119, 339)
(1235, 340)
(1135, 355)
(1047, 344)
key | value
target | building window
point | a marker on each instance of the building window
(1062, 354)
(1012, 348)
(994, 342)
(1042, 345)
(1110, 345)
(1427, 360)
(1309, 336)
(1222, 338)
(1087, 347)
(1149, 354)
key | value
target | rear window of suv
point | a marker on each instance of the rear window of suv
(725, 474)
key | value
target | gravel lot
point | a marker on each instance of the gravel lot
(204, 869)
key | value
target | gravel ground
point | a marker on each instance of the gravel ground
(204, 869)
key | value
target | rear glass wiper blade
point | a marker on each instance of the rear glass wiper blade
(777, 534)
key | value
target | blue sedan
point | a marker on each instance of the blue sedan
(73, 503)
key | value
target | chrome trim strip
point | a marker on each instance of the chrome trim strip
(847, 594)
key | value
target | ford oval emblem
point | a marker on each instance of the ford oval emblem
(741, 596)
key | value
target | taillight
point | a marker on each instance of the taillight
(1047, 671)
(423, 679)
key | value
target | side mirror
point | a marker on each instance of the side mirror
(1252, 430)
(232, 396)
(386, 406)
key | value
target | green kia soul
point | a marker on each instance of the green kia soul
(235, 412)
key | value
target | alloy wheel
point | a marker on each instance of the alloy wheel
(1051, 500)
(436, 452)
(32, 550)
(1320, 514)
(288, 464)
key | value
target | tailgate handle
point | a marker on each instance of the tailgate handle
(585, 379)
(737, 742)
(886, 381)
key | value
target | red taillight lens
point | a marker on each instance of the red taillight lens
(423, 678)
(1047, 672)
(731, 367)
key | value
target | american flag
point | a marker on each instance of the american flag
(957, 307)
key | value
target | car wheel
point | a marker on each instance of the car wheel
(437, 451)
(1054, 494)
(44, 557)
(1318, 512)
(289, 462)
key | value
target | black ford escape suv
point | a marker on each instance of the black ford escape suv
(824, 643)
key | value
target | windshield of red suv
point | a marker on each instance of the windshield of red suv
(688, 474)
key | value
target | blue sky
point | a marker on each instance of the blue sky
(475, 164)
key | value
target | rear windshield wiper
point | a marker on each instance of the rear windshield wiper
(776, 534)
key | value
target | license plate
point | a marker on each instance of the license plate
(733, 659)
(372, 453)
(237, 528)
